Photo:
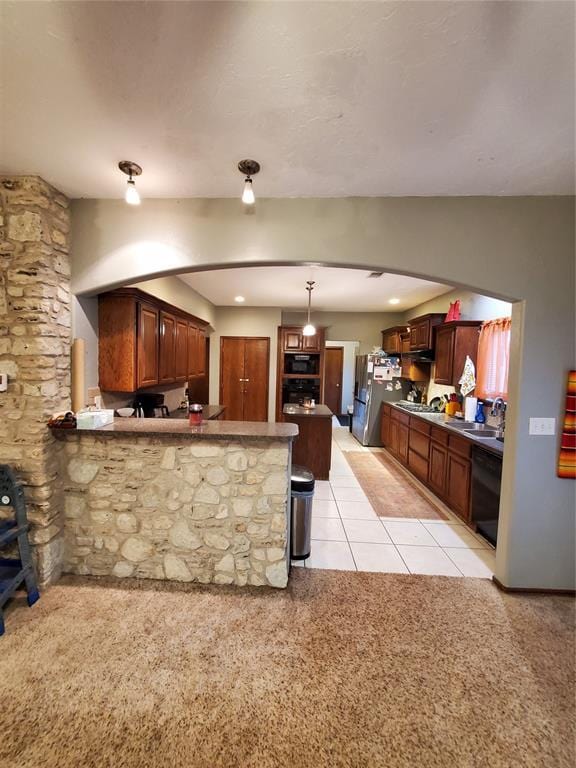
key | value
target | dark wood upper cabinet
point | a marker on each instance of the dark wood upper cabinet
(167, 348)
(148, 346)
(292, 340)
(422, 331)
(455, 341)
(181, 351)
(392, 339)
(201, 353)
(144, 342)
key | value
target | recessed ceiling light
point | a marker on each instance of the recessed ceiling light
(394, 301)
(239, 299)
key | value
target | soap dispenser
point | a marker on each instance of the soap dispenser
(480, 418)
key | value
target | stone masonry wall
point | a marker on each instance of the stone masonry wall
(176, 509)
(35, 350)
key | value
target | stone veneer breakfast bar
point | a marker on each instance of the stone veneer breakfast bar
(158, 499)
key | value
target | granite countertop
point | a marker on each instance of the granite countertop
(299, 410)
(208, 412)
(209, 430)
(456, 426)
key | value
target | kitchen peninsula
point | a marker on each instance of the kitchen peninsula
(158, 499)
(313, 446)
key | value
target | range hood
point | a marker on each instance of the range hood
(420, 356)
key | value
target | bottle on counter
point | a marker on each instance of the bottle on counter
(480, 418)
(195, 414)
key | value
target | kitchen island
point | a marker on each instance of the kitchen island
(158, 499)
(313, 447)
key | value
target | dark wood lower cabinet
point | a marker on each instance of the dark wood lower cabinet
(458, 485)
(437, 468)
(437, 457)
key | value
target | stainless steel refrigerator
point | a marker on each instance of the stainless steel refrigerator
(374, 375)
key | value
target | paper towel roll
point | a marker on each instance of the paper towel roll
(78, 374)
(470, 404)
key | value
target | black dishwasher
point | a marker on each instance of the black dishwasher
(486, 476)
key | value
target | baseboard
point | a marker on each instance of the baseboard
(533, 590)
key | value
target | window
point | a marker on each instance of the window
(493, 359)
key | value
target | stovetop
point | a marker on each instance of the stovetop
(415, 407)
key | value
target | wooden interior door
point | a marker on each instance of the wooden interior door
(256, 373)
(231, 377)
(333, 370)
(244, 372)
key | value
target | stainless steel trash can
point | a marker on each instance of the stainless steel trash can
(302, 493)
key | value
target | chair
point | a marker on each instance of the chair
(14, 570)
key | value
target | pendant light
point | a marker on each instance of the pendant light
(131, 169)
(248, 168)
(309, 329)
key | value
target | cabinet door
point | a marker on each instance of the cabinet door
(181, 351)
(403, 443)
(292, 341)
(458, 485)
(423, 335)
(201, 348)
(311, 343)
(148, 342)
(444, 356)
(385, 427)
(413, 338)
(437, 468)
(167, 348)
(232, 377)
(192, 351)
(393, 437)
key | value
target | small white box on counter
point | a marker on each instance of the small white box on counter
(94, 419)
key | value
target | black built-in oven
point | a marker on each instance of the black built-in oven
(305, 365)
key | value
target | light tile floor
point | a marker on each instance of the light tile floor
(348, 535)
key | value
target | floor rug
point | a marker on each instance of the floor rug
(340, 670)
(391, 491)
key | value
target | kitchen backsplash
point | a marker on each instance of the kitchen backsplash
(172, 397)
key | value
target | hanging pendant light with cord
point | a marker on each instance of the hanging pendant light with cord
(248, 168)
(131, 169)
(309, 329)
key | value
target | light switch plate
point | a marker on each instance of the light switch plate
(3, 382)
(539, 426)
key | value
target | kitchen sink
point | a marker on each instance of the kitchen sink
(481, 432)
(473, 426)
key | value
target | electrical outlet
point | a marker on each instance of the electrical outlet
(540, 426)
(3, 382)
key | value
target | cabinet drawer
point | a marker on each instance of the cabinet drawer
(460, 445)
(420, 426)
(403, 418)
(418, 465)
(419, 443)
(439, 435)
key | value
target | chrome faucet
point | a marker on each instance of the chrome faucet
(499, 409)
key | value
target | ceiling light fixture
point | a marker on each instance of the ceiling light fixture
(309, 329)
(131, 169)
(239, 299)
(248, 168)
(394, 301)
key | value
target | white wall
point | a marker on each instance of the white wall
(473, 306)
(348, 370)
(516, 249)
(245, 321)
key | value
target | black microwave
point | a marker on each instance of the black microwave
(304, 365)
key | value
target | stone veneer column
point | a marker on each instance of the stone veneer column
(35, 351)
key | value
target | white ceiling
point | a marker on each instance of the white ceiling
(344, 290)
(333, 98)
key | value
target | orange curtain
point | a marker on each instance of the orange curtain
(493, 359)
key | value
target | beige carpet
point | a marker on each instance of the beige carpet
(391, 491)
(343, 669)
